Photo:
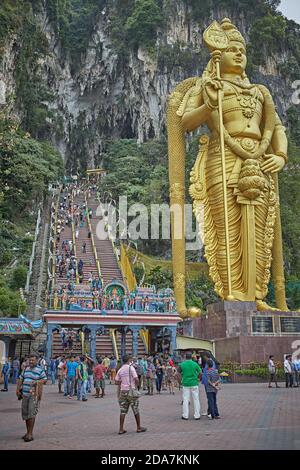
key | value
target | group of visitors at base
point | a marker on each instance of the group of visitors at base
(291, 371)
(78, 375)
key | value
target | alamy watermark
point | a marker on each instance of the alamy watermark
(296, 95)
(138, 222)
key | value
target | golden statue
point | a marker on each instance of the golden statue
(234, 179)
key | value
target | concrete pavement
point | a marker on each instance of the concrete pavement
(252, 417)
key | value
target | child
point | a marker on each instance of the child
(212, 387)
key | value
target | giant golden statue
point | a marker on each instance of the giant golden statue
(235, 174)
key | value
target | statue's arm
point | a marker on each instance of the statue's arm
(196, 114)
(279, 140)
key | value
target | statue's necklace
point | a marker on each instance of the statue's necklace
(247, 97)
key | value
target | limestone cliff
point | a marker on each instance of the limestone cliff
(115, 91)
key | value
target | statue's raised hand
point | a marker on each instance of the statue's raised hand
(210, 92)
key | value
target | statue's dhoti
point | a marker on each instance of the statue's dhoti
(251, 222)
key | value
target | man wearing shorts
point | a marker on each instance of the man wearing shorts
(29, 389)
(127, 381)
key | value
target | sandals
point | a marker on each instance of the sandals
(28, 439)
(142, 430)
(139, 430)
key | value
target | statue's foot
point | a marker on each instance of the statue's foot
(230, 298)
(194, 312)
(263, 306)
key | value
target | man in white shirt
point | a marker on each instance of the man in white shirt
(288, 371)
(272, 372)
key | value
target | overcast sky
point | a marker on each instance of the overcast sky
(290, 9)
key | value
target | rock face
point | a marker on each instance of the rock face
(109, 97)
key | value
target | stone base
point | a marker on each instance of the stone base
(243, 334)
(245, 349)
(225, 319)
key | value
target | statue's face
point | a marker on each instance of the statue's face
(234, 59)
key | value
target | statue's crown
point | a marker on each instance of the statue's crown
(218, 35)
(231, 31)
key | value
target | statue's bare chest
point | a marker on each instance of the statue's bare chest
(246, 101)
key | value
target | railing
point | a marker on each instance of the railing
(249, 372)
(126, 269)
(93, 240)
(112, 333)
(112, 241)
(54, 228)
(145, 339)
(31, 260)
(74, 239)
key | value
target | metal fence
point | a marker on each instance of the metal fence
(249, 372)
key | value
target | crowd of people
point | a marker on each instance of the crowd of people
(291, 371)
(68, 214)
(80, 376)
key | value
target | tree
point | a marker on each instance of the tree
(144, 22)
(19, 277)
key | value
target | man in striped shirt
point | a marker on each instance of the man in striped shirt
(29, 390)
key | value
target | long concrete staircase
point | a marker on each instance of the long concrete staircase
(109, 270)
(109, 264)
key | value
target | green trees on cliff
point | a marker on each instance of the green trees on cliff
(26, 168)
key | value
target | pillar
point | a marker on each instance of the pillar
(5, 352)
(49, 342)
(93, 336)
(173, 346)
(125, 306)
(135, 339)
(50, 329)
(123, 343)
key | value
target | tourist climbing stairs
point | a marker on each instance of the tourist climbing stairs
(110, 268)
(88, 258)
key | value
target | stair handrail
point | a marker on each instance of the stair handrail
(145, 339)
(32, 256)
(54, 239)
(126, 269)
(112, 241)
(74, 239)
(93, 240)
(112, 332)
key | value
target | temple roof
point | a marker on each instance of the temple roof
(13, 326)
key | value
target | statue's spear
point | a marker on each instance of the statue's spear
(217, 41)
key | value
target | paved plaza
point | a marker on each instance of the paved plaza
(253, 417)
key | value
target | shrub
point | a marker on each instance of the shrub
(19, 277)
(143, 23)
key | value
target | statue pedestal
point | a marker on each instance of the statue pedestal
(242, 334)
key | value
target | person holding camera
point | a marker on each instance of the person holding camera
(29, 390)
(128, 395)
